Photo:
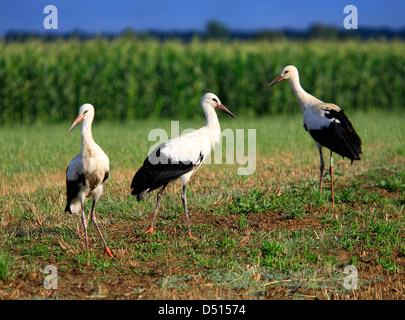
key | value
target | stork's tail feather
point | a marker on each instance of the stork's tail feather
(73, 207)
(138, 187)
(349, 137)
(352, 159)
(67, 208)
(353, 145)
(141, 195)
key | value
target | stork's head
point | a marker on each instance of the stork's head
(86, 111)
(211, 100)
(288, 72)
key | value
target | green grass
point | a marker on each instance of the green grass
(268, 235)
(5, 265)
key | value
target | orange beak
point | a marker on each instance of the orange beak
(278, 79)
(224, 109)
(78, 120)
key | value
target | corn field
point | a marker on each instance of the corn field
(131, 78)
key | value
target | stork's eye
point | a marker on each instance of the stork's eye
(215, 100)
(85, 112)
(285, 71)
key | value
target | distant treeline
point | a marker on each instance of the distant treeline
(217, 30)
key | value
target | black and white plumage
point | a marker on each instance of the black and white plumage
(86, 173)
(179, 158)
(326, 123)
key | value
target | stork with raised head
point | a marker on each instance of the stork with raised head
(326, 123)
(86, 173)
(179, 158)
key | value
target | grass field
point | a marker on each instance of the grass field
(269, 235)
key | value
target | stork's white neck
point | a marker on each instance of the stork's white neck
(212, 128)
(87, 138)
(212, 117)
(303, 97)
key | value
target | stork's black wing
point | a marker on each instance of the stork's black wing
(340, 136)
(153, 175)
(73, 188)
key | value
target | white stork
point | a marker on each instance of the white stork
(326, 123)
(179, 157)
(86, 173)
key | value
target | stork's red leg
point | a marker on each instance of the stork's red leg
(184, 199)
(331, 178)
(93, 218)
(84, 222)
(159, 196)
(321, 166)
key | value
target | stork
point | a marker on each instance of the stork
(86, 174)
(326, 123)
(179, 158)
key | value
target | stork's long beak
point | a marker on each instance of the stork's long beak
(224, 109)
(278, 79)
(78, 120)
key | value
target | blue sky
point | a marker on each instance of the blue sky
(243, 15)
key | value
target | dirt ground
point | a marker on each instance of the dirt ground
(83, 283)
